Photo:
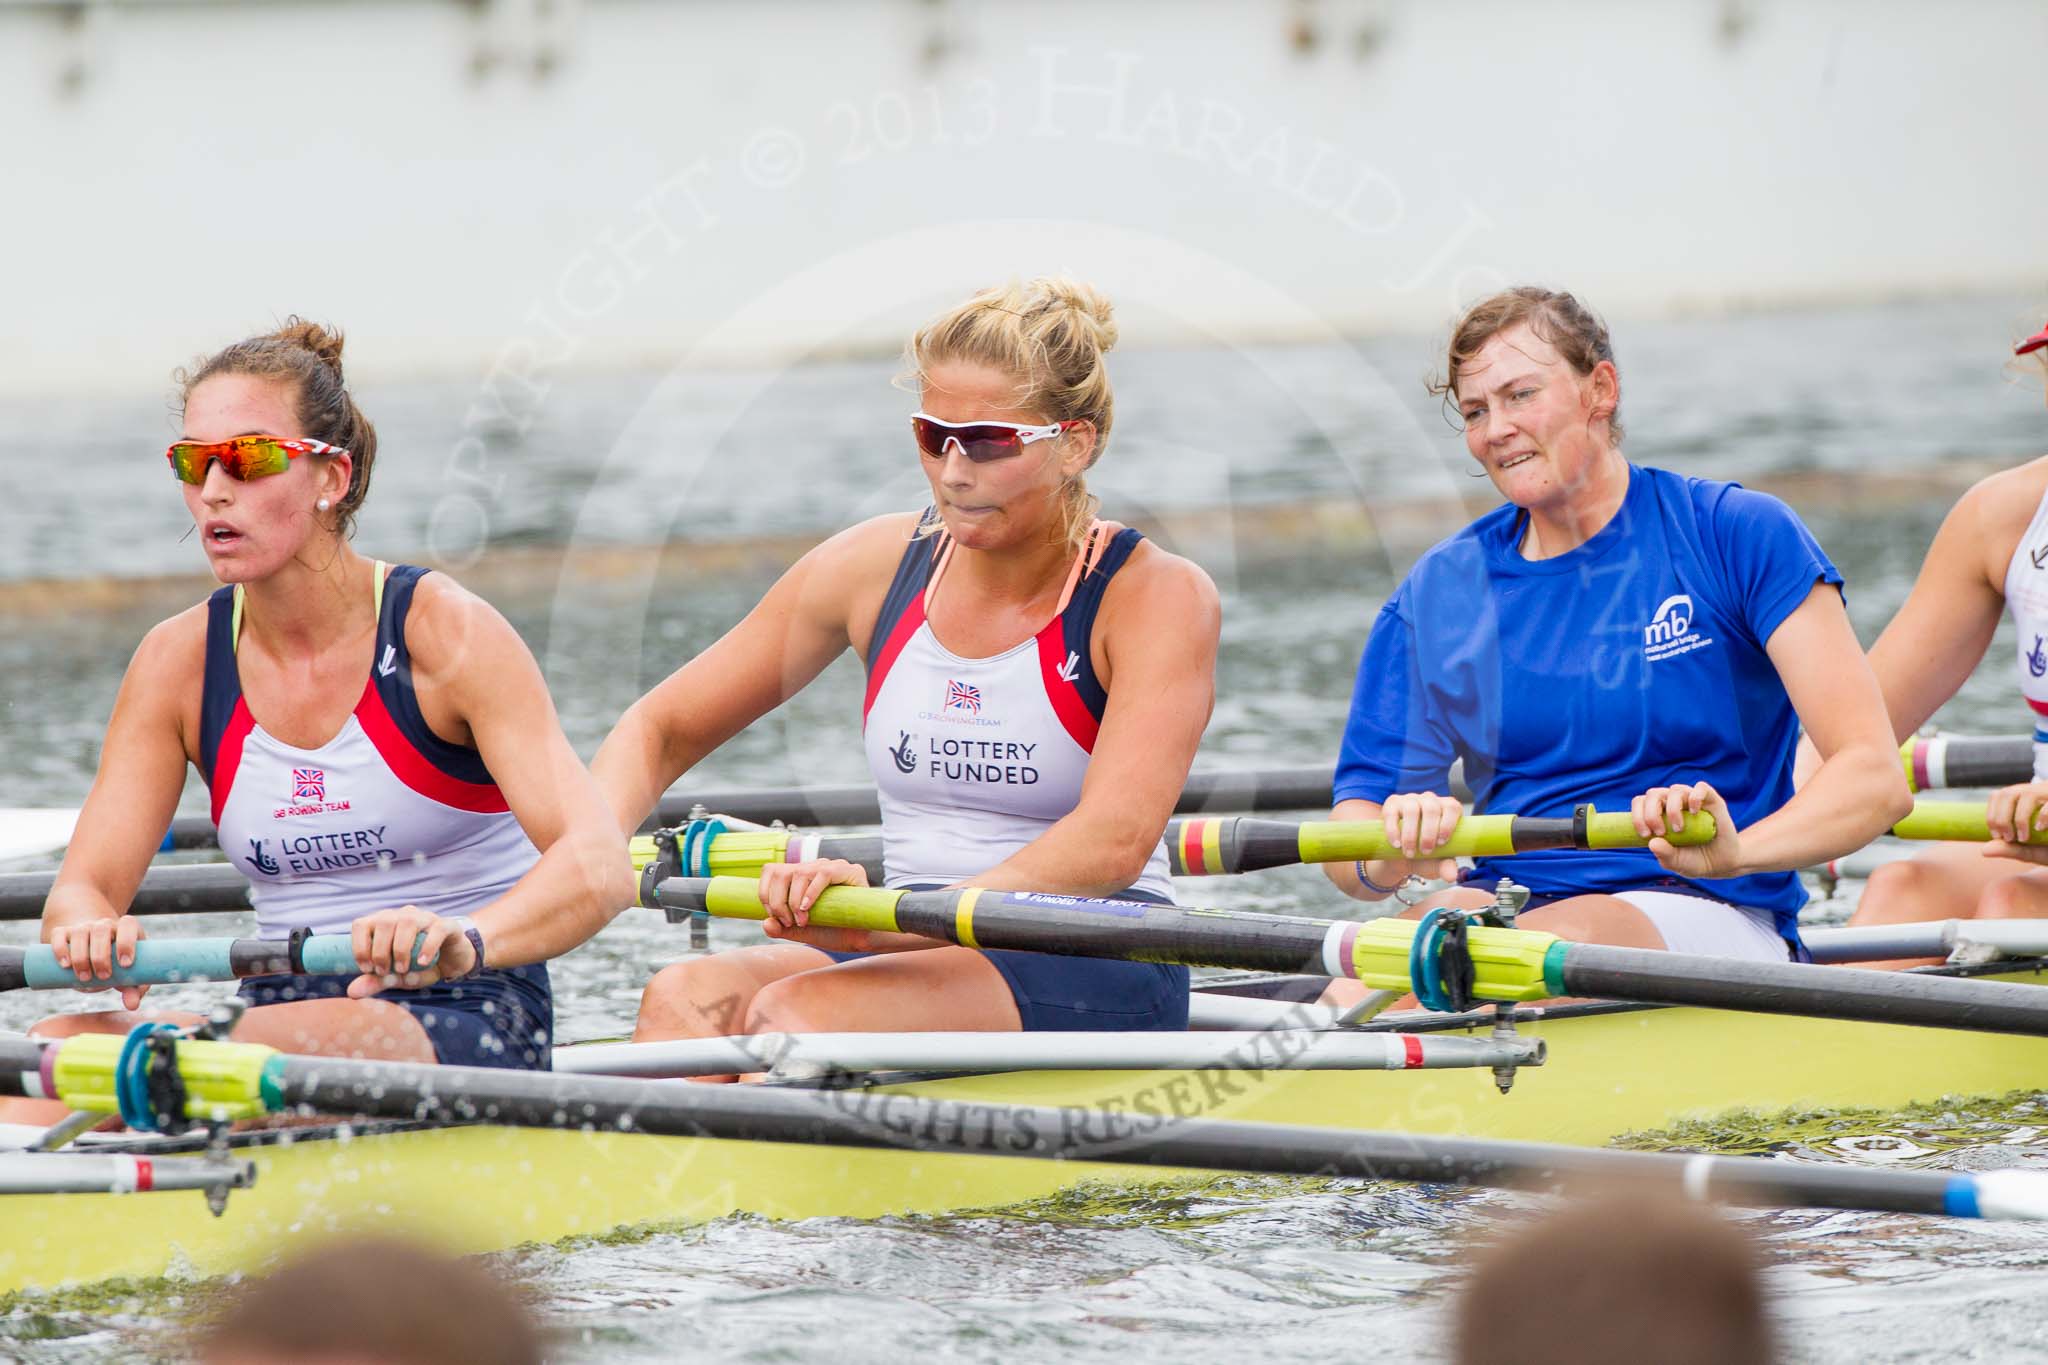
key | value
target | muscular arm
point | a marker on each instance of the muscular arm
(1939, 635)
(805, 622)
(1159, 626)
(482, 672)
(1858, 792)
(141, 773)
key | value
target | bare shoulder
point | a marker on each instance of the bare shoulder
(449, 624)
(1158, 587)
(163, 687)
(1153, 573)
(842, 580)
(868, 548)
(175, 648)
(1999, 506)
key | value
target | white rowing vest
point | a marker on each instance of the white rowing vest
(387, 813)
(2026, 597)
(975, 758)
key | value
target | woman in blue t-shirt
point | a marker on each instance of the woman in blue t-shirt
(1618, 635)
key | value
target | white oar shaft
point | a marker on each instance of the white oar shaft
(1211, 1011)
(1991, 938)
(811, 1054)
(113, 1173)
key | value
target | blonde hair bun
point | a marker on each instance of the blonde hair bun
(1095, 310)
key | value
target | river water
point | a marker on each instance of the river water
(1304, 478)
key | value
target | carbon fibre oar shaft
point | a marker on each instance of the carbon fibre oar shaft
(174, 889)
(1209, 846)
(1196, 847)
(1283, 788)
(1936, 761)
(1508, 964)
(1931, 763)
(1305, 787)
(1172, 1135)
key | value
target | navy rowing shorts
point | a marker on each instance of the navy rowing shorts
(496, 1018)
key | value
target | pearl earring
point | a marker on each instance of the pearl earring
(321, 505)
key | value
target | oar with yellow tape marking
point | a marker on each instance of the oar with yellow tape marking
(229, 1079)
(1199, 847)
(1935, 761)
(1508, 964)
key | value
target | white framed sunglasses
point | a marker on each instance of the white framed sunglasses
(978, 441)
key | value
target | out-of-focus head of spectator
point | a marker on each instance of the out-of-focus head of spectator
(1623, 1278)
(372, 1301)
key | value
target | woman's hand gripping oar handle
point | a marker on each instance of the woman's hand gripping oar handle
(175, 961)
(1206, 847)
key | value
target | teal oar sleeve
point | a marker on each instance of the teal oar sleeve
(335, 955)
(164, 962)
(328, 955)
(156, 964)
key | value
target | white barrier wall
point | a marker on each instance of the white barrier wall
(521, 186)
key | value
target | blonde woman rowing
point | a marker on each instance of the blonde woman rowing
(1037, 682)
(1988, 561)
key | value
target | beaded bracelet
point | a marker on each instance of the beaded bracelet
(1365, 880)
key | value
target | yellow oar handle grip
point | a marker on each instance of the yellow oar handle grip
(837, 907)
(1954, 821)
(1493, 836)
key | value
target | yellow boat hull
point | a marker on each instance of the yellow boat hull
(484, 1188)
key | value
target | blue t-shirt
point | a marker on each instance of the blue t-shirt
(1634, 661)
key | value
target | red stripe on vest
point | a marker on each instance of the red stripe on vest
(228, 757)
(1061, 692)
(906, 626)
(415, 769)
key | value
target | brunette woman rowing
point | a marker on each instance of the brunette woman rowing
(383, 756)
(1619, 635)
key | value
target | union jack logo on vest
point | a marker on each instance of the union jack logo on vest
(961, 697)
(309, 784)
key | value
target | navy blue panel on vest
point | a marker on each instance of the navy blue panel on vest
(913, 571)
(391, 672)
(1078, 624)
(221, 685)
